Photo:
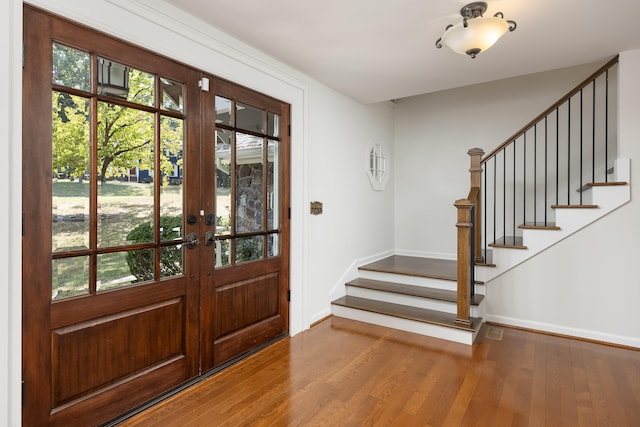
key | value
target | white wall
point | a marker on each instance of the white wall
(330, 136)
(357, 222)
(433, 133)
(10, 215)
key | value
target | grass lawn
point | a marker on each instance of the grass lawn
(122, 206)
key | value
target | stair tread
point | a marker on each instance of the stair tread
(574, 206)
(406, 312)
(412, 290)
(416, 266)
(606, 184)
(513, 242)
(539, 226)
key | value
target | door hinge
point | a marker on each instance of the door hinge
(22, 392)
(289, 295)
(203, 84)
(289, 213)
(22, 224)
(289, 130)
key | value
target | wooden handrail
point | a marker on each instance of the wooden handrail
(473, 194)
(558, 103)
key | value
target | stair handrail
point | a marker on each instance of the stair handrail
(564, 184)
(549, 110)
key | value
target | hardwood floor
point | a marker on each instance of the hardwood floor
(346, 373)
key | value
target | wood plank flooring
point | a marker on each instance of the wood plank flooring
(347, 373)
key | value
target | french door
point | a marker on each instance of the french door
(156, 229)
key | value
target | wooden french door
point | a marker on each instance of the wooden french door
(245, 184)
(155, 237)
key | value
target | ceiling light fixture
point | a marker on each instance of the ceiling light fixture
(475, 33)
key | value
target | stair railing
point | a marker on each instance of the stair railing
(545, 165)
(548, 163)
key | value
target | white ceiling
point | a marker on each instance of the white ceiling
(377, 50)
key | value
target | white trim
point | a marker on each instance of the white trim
(11, 216)
(423, 254)
(565, 330)
(338, 290)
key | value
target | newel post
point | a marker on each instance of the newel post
(464, 208)
(476, 182)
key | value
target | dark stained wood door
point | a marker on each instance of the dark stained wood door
(244, 292)
(135, 278)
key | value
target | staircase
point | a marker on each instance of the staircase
(412, 294)
(553, 177)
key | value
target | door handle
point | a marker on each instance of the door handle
(192, 241)
(209, 238)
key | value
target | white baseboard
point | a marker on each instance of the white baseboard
(422, 254)
(338, 290)
(565, 330)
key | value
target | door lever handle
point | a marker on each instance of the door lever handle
(209, 238)
(192, 241)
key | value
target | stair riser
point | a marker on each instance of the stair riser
(449, 285)
(436, 331)
(410, 300)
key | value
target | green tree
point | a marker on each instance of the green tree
(125, 135)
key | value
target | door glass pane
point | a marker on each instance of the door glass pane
(223, 181)
(70, 167)
(121, 81)
(249, 248)
(273, 247)
(115, 270)
(249, 183)
(171, 137)
(273, 187)
(70, 277)
(249, 118)
(223, 111)
(125, 172)
(273, 124)
(223, 251)
(71, 67)
(171, 261)
(172, 95)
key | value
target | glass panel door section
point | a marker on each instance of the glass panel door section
(247, 182)
(133, 165)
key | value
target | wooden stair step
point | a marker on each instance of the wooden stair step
(589, 185)
(539, 226)
(411, 290)
(512, 242)
(406, 312)
(416, 266)
(606, 184)
(574, 206)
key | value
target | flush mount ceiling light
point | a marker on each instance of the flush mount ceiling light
(475, 33)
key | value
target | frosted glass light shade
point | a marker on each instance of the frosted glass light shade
(479, 35)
